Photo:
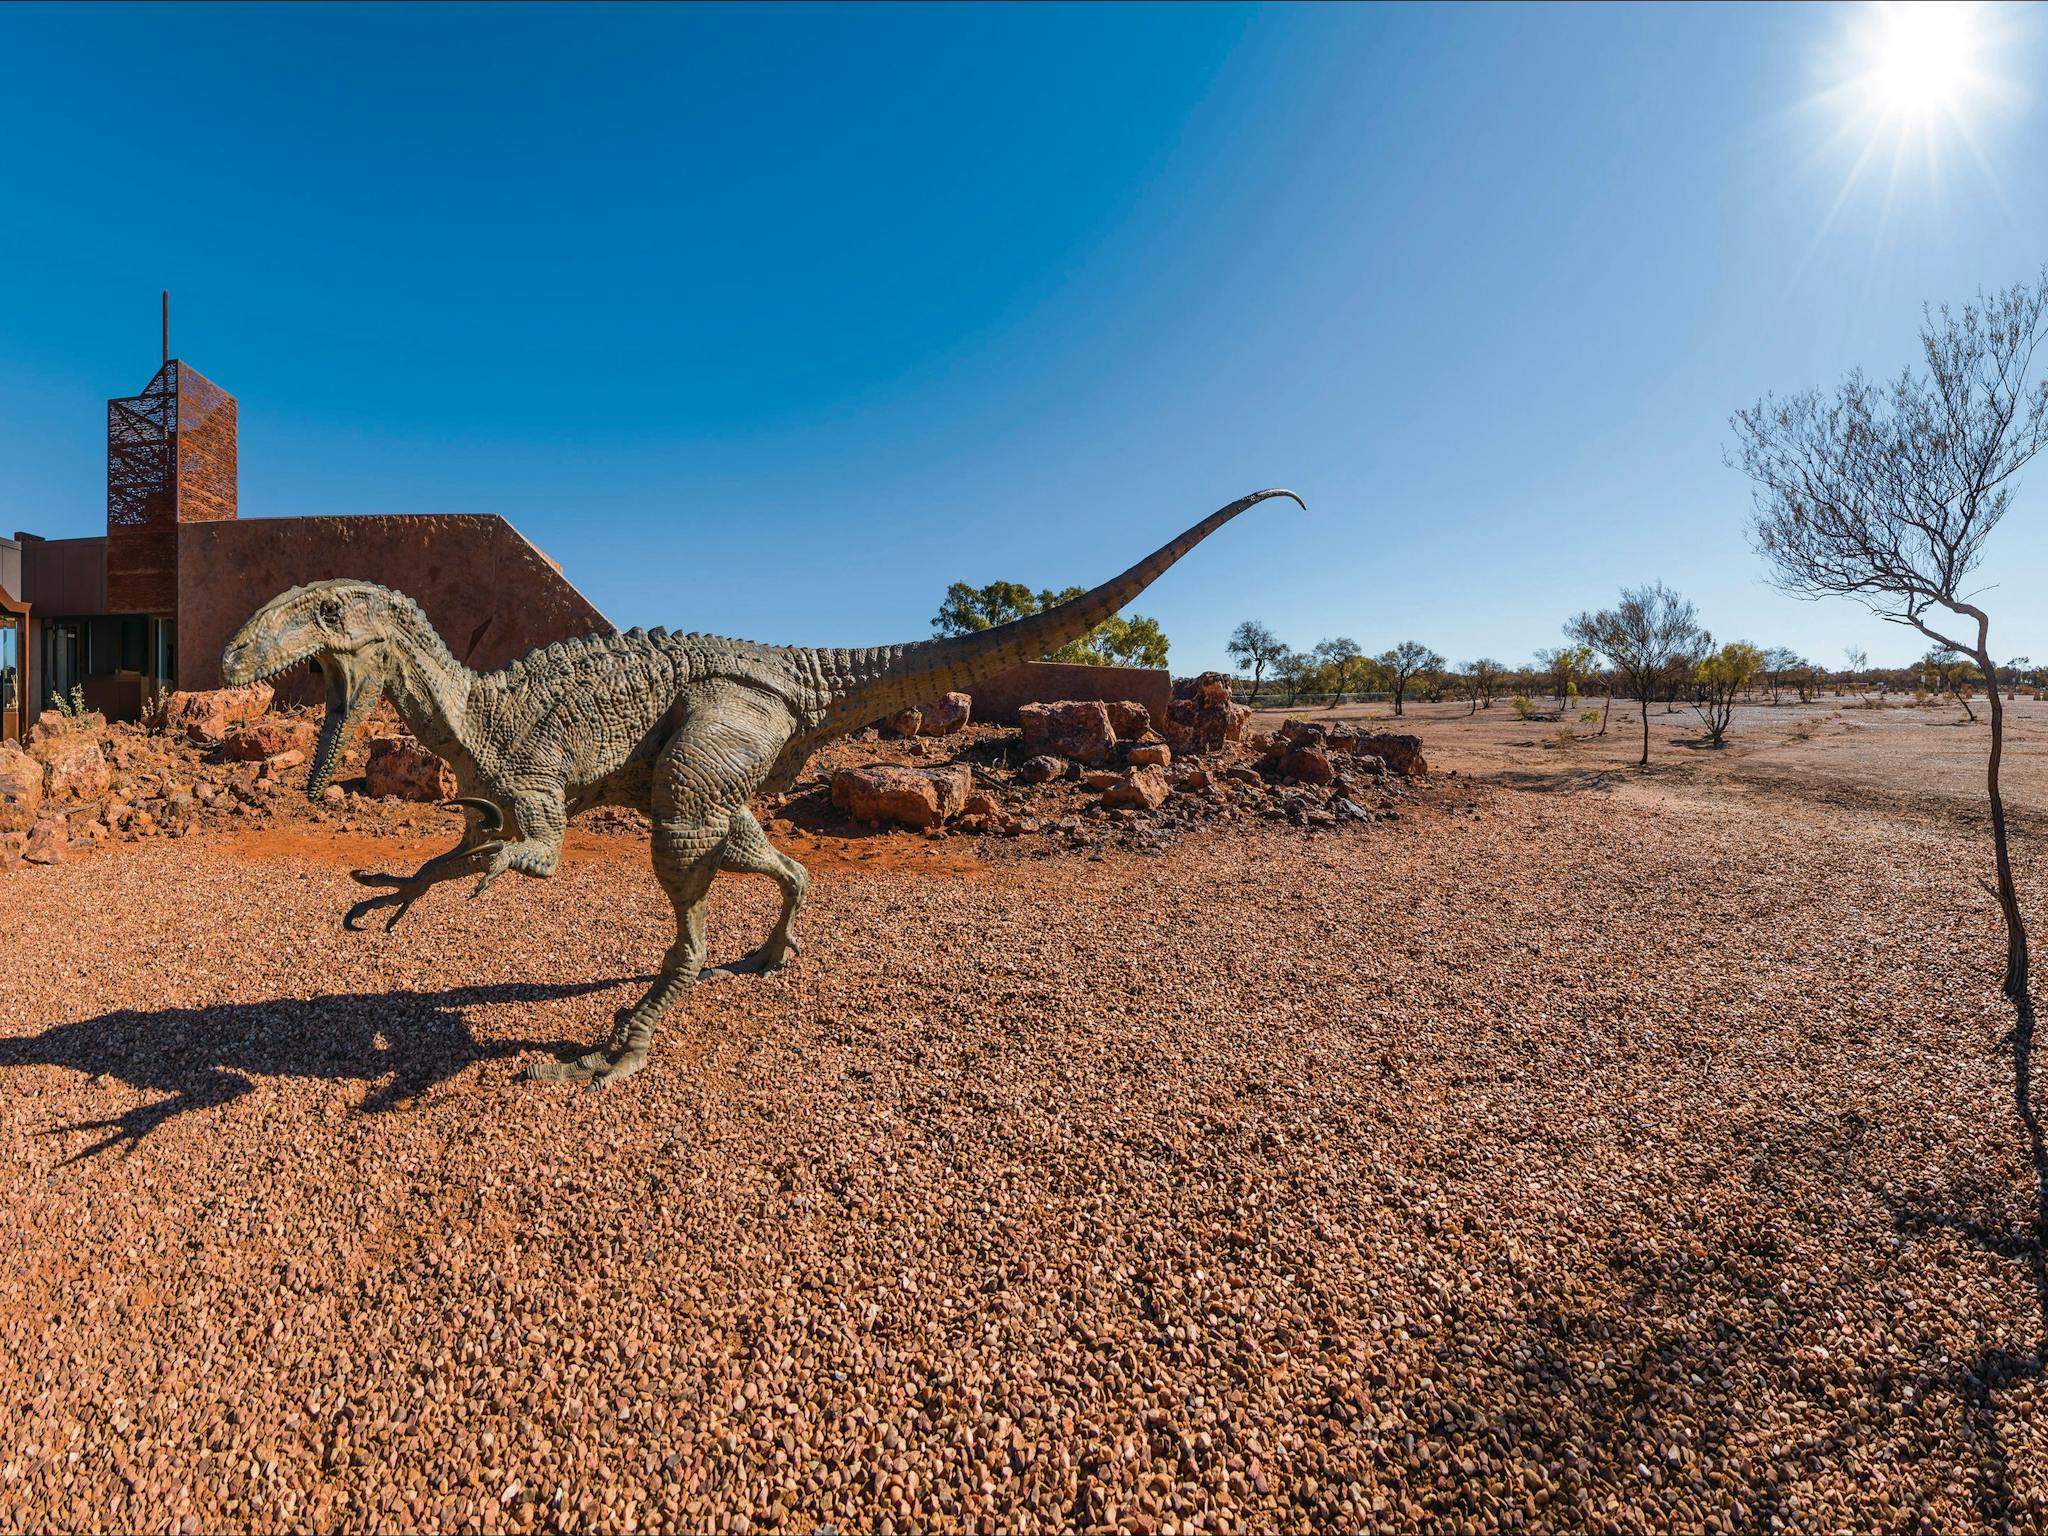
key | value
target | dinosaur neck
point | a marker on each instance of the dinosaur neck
(429, 687)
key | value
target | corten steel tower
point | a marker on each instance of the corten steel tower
(170, 460)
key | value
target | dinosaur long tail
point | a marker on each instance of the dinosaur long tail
(869, 684)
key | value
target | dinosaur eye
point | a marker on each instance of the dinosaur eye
(330, 610)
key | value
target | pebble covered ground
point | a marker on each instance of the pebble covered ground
(1638, 1159)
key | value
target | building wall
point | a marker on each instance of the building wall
(207, 468)
(60, 579)
(63, 577)
(1048, 682)
(492, 595)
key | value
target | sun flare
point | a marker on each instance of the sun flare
(1916, 99)
(1924, 60)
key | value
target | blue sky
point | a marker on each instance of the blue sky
(773, 322)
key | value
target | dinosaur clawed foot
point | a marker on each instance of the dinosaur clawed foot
(765, 961)
(581, 1070)
(627, 1063)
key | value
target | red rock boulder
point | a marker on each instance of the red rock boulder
(74, 768)
(1144, 788)
(206, 717)
(48, 842)
(1149, 754)
(21, 788)
(911, 797)
(400, 766)
(271, 736)
(946, 714)
(1307, 765)
(1201, 716)
(905, 722)
(1401, 754)
(1075, 728)
(1128, 718)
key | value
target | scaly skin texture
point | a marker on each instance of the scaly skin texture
(685, 727)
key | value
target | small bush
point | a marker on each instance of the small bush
(1522, 705)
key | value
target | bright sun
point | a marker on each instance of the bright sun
(1916, 94)
(1924, 61)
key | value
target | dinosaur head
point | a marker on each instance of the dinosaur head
(343, 629)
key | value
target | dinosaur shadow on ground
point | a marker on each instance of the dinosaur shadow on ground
(404, 1043)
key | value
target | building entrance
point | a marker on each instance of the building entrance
(13, 684)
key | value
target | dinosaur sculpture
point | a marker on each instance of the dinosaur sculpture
(684, 727)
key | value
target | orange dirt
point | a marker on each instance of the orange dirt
(895, 853)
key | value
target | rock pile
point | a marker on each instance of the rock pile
(205, 718)
(1090, 769)
(82, 782)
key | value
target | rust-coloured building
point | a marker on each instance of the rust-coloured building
(147, 607)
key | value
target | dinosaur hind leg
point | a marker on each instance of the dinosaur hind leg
(685, 859)
(729, 739)
(748, 852)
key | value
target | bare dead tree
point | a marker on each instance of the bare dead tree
(1885, 493)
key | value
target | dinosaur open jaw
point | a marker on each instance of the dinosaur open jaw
(351, 695)
(241, 676)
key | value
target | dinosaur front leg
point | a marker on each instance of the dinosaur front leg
(480, 844)
(542, 818)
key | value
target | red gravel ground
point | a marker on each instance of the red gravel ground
(1614, 1154)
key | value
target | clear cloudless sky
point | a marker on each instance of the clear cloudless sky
(773, 322)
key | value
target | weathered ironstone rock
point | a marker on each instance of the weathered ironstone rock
(21, 788)
(1074, 728)
(911, 797)
(400, 766)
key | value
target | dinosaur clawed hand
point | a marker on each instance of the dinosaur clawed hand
(404, 890)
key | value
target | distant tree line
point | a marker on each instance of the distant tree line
(1120, 641)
